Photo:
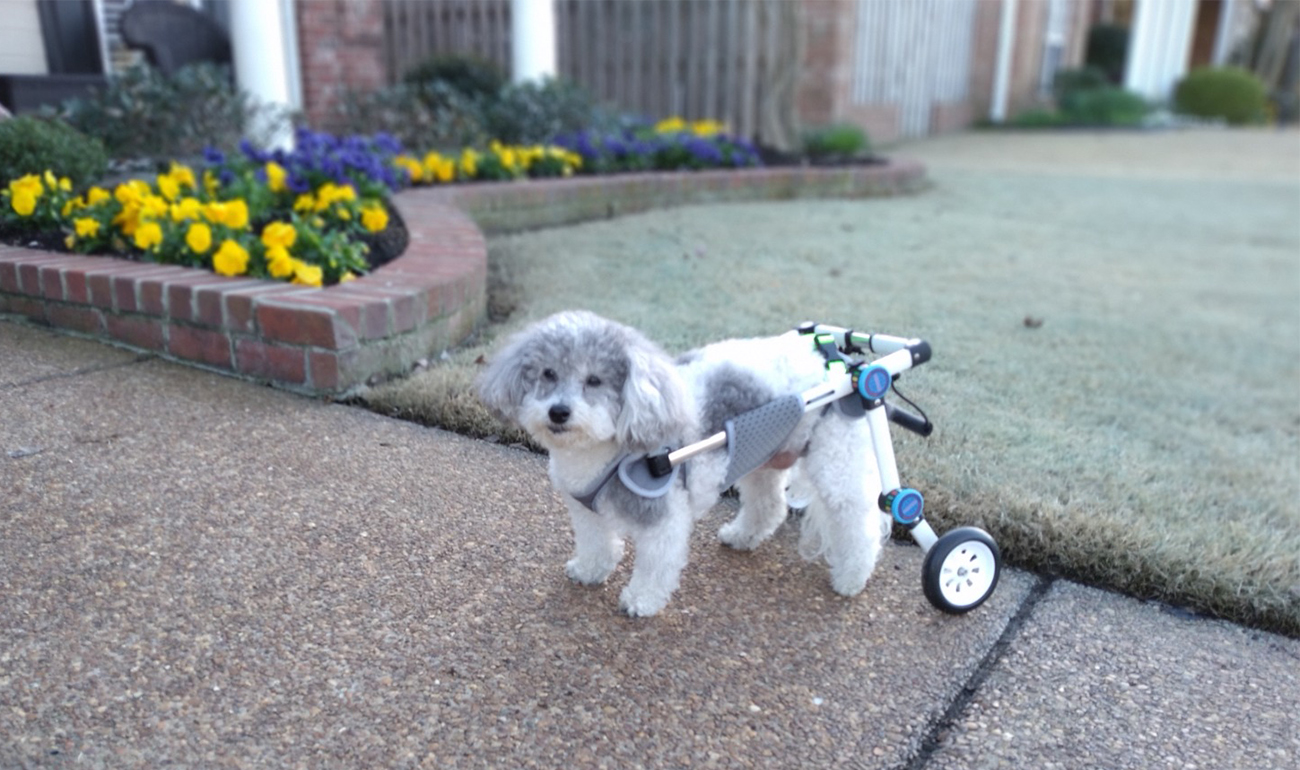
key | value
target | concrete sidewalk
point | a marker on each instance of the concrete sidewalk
(199, 572)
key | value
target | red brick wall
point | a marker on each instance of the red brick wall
(827, 51)
(341, 44)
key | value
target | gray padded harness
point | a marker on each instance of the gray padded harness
(628, 470)
(753, 438)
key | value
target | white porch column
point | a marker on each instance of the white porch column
(1006, 52)
(532, 39)
(262, 39)
(1159, 43)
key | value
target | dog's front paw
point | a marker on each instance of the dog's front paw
(639, 604)
(587, 573)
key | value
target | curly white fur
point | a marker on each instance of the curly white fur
(591, 390)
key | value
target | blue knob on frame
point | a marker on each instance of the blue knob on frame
(907, 507)
(874, 382)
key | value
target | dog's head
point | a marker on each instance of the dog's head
(577, 379)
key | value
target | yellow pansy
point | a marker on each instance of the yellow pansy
(275, 174)
(374, 218)
(182, 174)
(412, 167)
(186, 208)
(233, 214)
(707, 128)
(279, 234)
(132, 192)
(230, 259)
(127, 220)
(198, 238)
(86, 227)
(29, 183)
(210, 183)
(96, 195)
(304, 202)
(24, 192)
(148, 235)
(24, 203)
(278, 262)
(469, 162)
(439, 168)
(169, 187)
(50, 181)
(670, 125)
(506, 155)
(330, 193)
(237, 214)
(307, 275)
(153, 207)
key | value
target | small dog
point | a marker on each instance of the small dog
(593, 391)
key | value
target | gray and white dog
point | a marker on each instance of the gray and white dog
(593, 391)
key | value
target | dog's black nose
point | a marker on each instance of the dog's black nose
(559, 413)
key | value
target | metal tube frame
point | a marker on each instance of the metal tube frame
(896, 355)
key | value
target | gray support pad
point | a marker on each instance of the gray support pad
(755, 436)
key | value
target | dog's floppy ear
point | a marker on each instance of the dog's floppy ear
(503, 384)
(656, 405)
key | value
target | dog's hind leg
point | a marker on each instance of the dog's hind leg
(842, 522)
(596, 549)
(762, 509)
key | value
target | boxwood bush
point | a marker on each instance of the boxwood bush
(1230, 93)
(32, 145)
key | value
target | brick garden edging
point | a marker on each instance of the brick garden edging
(331, 341)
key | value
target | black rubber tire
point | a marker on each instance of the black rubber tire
(943, 586)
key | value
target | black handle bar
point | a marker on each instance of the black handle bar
(905, 419)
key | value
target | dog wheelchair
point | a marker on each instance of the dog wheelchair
(961, 568)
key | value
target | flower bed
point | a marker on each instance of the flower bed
(257, 268)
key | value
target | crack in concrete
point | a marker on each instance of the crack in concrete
(79, 372)
(932, 740)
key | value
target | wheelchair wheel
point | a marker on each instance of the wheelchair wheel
(961, 570)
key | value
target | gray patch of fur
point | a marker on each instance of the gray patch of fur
(729, 391)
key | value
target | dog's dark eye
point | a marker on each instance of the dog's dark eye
(593, 381)
(549, 375)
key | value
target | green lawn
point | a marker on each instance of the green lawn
(1144, 437)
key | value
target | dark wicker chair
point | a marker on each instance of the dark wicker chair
(173, 35)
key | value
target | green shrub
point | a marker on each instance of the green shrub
(534, 113)
(1230, 93)
(1109, 106)
(1039, 118)
(474, 78)
(1069, 82)
(1107, 50)
(422, 116)
(146, 114)
(841, 140)
(31, 145)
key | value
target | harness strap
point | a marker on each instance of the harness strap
(588, 498)
(633, 473)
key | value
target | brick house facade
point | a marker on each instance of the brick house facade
(342, 44)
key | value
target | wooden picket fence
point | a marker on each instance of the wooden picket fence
(729, 60)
